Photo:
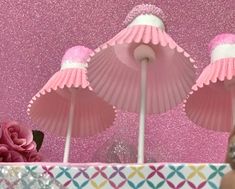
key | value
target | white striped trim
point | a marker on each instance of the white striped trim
(68, 64)
(148, 19)
(223, 51)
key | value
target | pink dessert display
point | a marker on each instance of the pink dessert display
(211, 103)
(142, 69)
(67, 106)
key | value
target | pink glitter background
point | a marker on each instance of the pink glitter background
(34, 35)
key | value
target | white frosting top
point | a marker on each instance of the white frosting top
(148, 19)
(68, 64)
(223, 51)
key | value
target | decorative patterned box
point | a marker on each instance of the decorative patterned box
(108, 176)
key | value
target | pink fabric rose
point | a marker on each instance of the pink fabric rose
(33, 156)
(7, 155)
(17, 137)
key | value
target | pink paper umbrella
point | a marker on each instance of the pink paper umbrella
(142, 69)
(212, 101)
(67, 106)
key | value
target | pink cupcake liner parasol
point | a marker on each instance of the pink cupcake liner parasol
(211, 103)
(142, 69)
(67, 106)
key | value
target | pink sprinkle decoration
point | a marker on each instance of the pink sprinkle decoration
(225, 38)
(144, 9)
(77, 53)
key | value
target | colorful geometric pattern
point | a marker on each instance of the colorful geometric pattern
(116, 176)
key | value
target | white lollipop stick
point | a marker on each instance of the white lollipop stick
(142, 111)
(145, 55)
(69, 129)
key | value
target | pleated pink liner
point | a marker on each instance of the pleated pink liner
(209, 104)
(170, 77)
(49, 108)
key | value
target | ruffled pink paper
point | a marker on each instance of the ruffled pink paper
(115, 75)
(209, 104)
(49, 108)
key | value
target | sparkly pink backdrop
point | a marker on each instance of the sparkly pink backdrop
(34, 34)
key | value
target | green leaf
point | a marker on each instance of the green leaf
(38, 137)
(140, 184)
(151, 184)
(212, 175)
(222, 167)
(84, 184)
(180, 167)
(160, 184)
(131, 184)
(171, 175)
(212, 185)
(213, 167)
(180, 175)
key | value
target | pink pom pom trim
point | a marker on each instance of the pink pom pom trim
(144, 9)
(225, 38)
(77, 54)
